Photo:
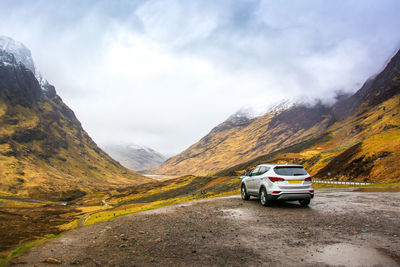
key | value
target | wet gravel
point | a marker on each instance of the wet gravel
(339, 228)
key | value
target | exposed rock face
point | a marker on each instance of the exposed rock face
(17, 80)
(19, 51)
(44, 151)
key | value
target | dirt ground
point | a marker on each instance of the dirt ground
(339, 228)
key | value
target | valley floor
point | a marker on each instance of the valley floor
(341, 227)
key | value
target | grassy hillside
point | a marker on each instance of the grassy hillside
(44, 151)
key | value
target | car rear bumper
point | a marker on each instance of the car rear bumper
(292, 196)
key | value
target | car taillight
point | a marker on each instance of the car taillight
(275, 179)
(276, 192)
(308, 179)
(312, 191)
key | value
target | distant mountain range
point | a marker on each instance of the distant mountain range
(357, 138)
(135, 157)
(44, 151)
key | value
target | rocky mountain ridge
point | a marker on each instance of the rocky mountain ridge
(19, 51)
(22, 56)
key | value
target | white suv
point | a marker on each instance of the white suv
(271, 182)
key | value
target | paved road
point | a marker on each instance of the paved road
(339, 228)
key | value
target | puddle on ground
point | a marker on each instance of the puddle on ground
(351, 255)
(236, 213)
(183, 205)
(191, 203)
(158, 210)
(65, 240)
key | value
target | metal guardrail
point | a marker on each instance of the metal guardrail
(340, 182)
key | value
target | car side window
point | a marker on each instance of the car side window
(263, 170)
(255, 171)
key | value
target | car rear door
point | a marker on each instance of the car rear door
(251, 180)
(260, 175)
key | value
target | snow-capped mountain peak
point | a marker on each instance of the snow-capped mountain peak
(21, 53)
(280, 106)
(255, 111)
(140, 147)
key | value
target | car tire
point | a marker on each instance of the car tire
(304, 202)
(264, 198)
(244, 194)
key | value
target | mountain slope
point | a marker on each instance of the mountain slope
(236, 141)
(44, 151)
(135, 157)
(312, 135)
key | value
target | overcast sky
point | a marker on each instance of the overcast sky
(163, 73)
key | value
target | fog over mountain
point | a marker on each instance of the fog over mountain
(135, 157)
(163, 74)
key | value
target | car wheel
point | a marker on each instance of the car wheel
(264, 198)
(304, 202)
(244, 194)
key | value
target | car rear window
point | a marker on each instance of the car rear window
(290, 171)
